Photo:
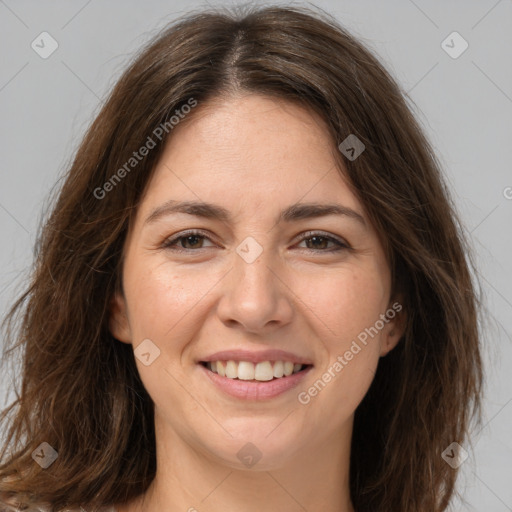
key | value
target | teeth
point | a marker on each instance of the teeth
(278, 369)
(288, 368)
(263, 371)
(245, 370)
(231, 370)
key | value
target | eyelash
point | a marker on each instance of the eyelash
(170, 242)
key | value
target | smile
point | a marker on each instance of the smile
(262, 371)
(255, 381)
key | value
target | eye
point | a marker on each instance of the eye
(194, 239)
(188, 241)
(319, 241)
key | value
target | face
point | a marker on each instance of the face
(263, 275)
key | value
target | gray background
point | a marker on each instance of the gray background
(464, 104)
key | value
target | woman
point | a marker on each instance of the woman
(252, 293)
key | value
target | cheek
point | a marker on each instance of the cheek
(346, 307)
(163, 306)
(162, 300)
(345, 303)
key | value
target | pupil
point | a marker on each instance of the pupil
(191, 237)
(318, 238)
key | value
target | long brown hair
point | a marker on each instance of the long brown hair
(80, 390)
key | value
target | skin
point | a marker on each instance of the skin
(254, 156)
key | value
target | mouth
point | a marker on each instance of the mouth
(263, 371)
(246, 380)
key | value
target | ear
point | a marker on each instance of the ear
(119, 325)
(394, 328)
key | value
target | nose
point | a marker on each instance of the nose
(255, 297)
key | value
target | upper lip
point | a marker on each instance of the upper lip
(256, 356)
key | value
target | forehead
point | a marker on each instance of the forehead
(258, 124)
(252, 146)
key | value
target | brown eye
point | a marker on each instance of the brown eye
(189, 241)
(320, 242)
(192, 241)
(317, 242)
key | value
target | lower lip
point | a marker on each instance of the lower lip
(251, 390)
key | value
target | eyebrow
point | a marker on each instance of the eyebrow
(295, 212)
